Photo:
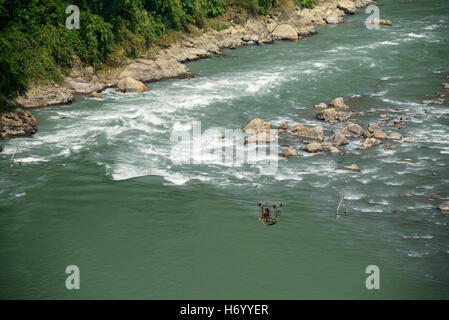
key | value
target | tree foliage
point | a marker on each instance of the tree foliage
(35, 44)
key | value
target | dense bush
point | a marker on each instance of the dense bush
(306, 3)
(35, 44)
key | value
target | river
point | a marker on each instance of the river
(98, 188)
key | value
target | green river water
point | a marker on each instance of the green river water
(98, 188)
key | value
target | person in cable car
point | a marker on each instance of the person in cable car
(266, 214)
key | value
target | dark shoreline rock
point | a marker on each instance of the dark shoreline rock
(15, 121)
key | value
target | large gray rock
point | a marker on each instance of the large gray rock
(285, 32)
(257, 32)
(338, 139)
(129, 84)
(355, 129)
(338, 103)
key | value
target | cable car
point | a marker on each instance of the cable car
(269, 212)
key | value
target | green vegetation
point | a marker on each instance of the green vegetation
(306, 3)
(35, 44)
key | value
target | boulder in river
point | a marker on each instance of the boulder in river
(257, 124)
(352, 130)
(313, 147)
(338, 103)
(369, 143)
(394, 136)
(129, 84)
(316, 133)
(381, 22)
(321, 105)
(290, 152)
(262, 137)
(373, 126)
(338, 139)
(444, 206)
(354, 167)
(95, 94)
(334, 150)
(379, 134)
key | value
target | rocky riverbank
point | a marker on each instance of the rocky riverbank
(15, 121)
(284, 23)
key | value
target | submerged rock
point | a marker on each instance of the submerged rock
(354, 167)
(95, 94)
(382, 22)
(129, 84)
(444, 206)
